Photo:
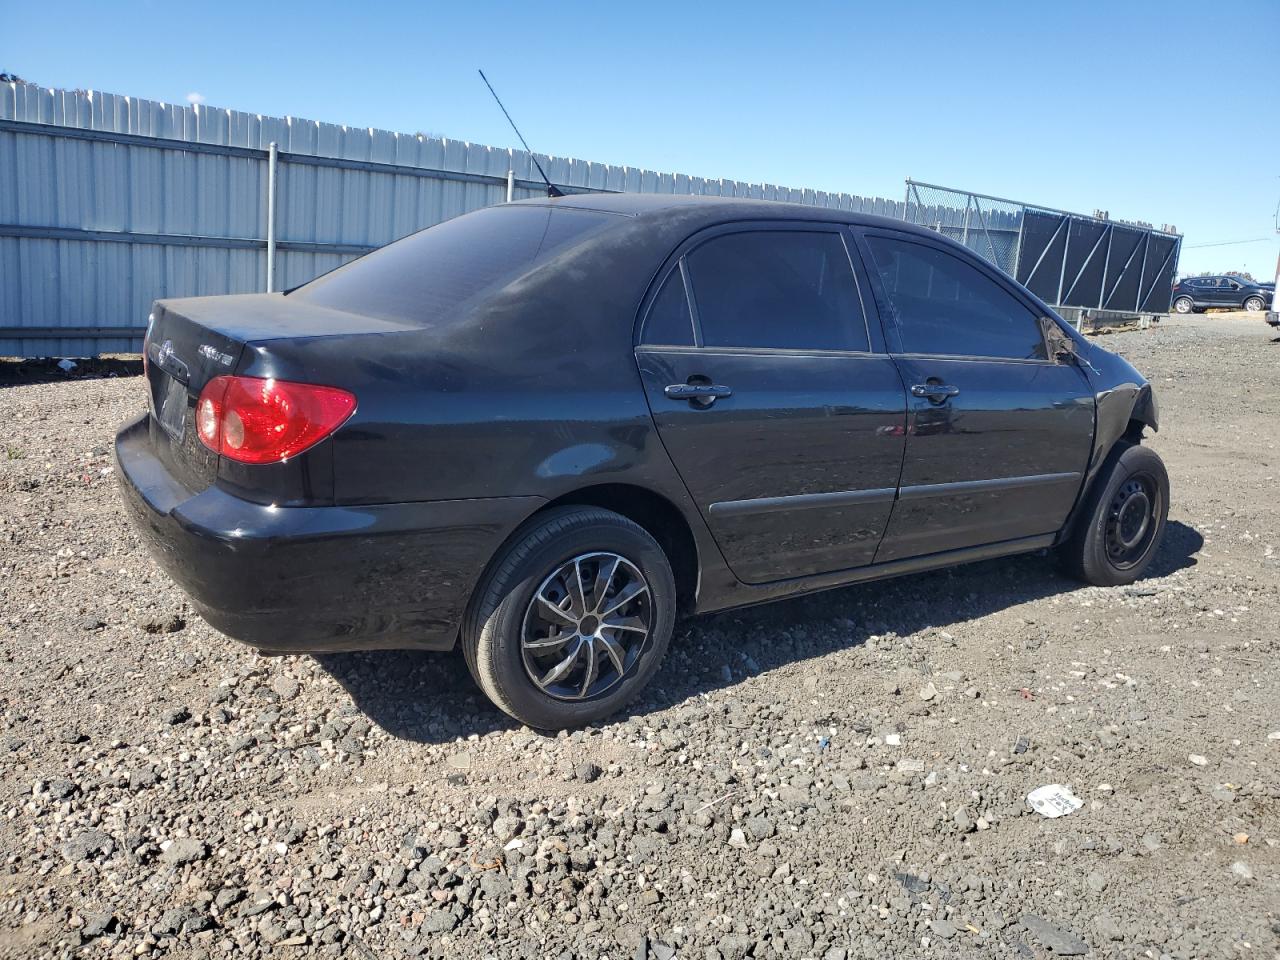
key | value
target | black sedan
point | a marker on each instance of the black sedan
(545, 430)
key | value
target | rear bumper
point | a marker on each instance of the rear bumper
(313, 579)
(1273, 317)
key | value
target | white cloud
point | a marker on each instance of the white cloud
(195, 97)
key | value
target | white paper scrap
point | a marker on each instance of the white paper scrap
(1054, 800)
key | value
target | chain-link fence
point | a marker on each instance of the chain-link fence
(1066, 259)
(987, 226)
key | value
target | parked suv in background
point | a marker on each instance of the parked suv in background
(1197, 294)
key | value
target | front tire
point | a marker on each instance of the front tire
(1254, 304)
(1184, 305)
(572, 620)
(1122, 521)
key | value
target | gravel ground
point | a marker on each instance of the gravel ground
(838, 776)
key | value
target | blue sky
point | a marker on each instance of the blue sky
(1167, 112)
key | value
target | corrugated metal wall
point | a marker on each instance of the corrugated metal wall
(108, 203)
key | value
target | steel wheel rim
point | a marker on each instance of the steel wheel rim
(586, 626)
(1132, 520)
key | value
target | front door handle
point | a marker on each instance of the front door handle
(935, 392)
(699, 394)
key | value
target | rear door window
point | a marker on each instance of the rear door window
(427, 276)
(669, 321)
(945, 307)
(780, 289)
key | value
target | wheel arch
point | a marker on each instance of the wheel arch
(663, 520)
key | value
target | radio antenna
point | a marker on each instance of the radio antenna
(552, 190)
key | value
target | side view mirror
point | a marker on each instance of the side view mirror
(1062, 348)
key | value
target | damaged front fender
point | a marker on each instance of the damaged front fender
(1124, 405)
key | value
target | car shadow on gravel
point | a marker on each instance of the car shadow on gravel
(430, 697)
(415, 695)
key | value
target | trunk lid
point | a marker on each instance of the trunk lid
(191, 341)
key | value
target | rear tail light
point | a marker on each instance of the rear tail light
(253, 420)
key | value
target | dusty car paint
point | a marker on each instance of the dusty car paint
(540, 393)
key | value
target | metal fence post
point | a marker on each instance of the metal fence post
(1146, 246)
(511, 185)
(1106, 269)
(1066, 249)
(273, 158)
(1021, 217)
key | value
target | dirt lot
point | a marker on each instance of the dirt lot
(839, 776)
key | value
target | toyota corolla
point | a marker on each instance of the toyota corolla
(545, 430)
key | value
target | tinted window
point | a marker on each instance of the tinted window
(777, 288)
(942, 305)
(668, 320)
(427, 275)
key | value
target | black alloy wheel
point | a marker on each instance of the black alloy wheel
(572, 619)
(586, 626)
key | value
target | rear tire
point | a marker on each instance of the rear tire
(557, 596)
(1184, 305)
(1122, 520)
(1254, 304)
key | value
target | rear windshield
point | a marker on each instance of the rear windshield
(429, 275)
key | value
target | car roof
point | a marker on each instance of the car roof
(655, 206)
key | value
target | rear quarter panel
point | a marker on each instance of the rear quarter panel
(527, 393)
(532, 393)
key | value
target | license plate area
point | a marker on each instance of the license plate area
(169, 404)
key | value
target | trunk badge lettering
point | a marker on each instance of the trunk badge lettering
(216, 355)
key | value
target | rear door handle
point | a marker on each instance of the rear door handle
(935, 392)
(704, 393)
